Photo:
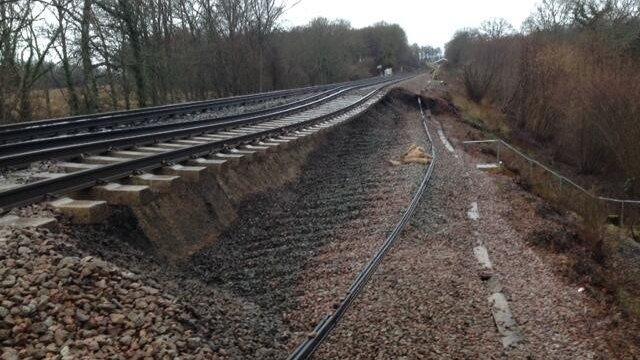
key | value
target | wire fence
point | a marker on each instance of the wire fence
(561, 189)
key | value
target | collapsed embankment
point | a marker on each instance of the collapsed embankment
(239, 265)
(192, 216)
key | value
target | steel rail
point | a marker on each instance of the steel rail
(42, 190)
(21, 131)
(44, 143)
(324, 328)
(50, 127)
(162, 133)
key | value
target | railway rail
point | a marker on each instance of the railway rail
(42, 128)
(122, 153)
(25, 152)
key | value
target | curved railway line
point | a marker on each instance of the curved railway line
(100, 157)
(37, 129)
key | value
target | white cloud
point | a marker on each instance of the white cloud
(426, 22)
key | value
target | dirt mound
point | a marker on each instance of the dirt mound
(437, 103)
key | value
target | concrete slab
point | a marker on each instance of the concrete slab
(171, 146)
(269, 143)
(217, 136)
(487, 166)
(290, 138)
(130, 154)
(482, 255)
(83, 211)
(152, 149)
(46, 176)
(504, 320)
(284, 143)
(158, 183)
(103, 160)
(8, 186)
(232, 159)
(248, 154)
(190, 142)
(244, 131)
(228, 134)
(306, 132)
(187, 173)
(73, 167)
(204, 139)
(278, 140)
(211, 164)
(264, 127)
(261, 148)
(30, 222)
(128, 195)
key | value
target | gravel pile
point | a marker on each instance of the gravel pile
(56, 301)
(426, 299)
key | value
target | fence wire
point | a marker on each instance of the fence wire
(561, 188)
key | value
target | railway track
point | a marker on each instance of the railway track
(108, 120)
(104, 156)
(69, 145)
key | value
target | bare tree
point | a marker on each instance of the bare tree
(496, 28)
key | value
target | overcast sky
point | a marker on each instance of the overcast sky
(427, 22)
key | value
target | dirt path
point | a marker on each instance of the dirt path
(428, 300)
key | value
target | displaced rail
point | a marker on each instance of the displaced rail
(198, 140)
(324, 328)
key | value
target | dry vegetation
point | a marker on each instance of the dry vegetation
(572, 86)
(98, 55)
(566, 88)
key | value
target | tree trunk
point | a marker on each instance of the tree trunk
(131, 25)
(90, 86)
(72, 100)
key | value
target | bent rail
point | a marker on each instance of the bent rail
(324, 328)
